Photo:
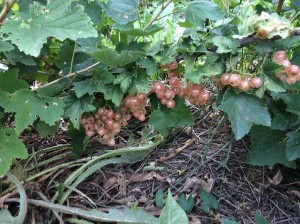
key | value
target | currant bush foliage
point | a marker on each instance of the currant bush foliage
(99, 64)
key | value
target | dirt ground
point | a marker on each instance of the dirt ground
(202, 156)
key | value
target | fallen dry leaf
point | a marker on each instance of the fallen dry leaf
(177, 151)
(130, 199)
(141, 177)
(296, 193)
(143, 199)
(194, 220)
(193, 184)
(276, 179)
(111, 182)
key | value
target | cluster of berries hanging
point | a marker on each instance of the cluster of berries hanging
(290, 73)
(136, 105)
(243, 83)
(194, 93)
(106, 123)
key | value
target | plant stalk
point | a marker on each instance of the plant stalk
(8, 4)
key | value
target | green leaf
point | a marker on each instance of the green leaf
(187, 204)
(167, 55)
(227, 221)
(149, 64)
(165, 118)
(296, 3)
(259, 219)
(270, 83)
(225, 45)
(296, 57)
(243, 111)
(114, 93)
(268, 147)
(6, 46)
(78, 140)
(113, 59)
(160, 198)
(64, 60)
(284, 121)
(270, 68)
(45, 130)
(94, 84)
(16, 56)
(5, 98)
(129, 30)
(139, 84)
(89, 86)
(122, 11)
(93, 9)
(292, 41)
(75, 107)
(204, 71)
(10, 148)
(57, 19)
(172, 213)
(293, 145)
(87, 45)
(247, 18)
(56, 88)
(9, 81)
(28, 106)
(124, 80)
(208, 201)
(6, 217)
(292, 101)
(264, 48)
(198, 11)
(160, 121)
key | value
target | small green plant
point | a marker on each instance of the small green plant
(187, 203)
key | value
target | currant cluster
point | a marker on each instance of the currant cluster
(136, 105)
(171, 66)
(194, 93)
(243, 83)
(165, 94)
(106, 123)
(290, 73)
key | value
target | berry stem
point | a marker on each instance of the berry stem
(279, 6)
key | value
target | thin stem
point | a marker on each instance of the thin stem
(158, 14)
(6, 8)
(230, 63)
(68, 76)
(295, 16)
(279, 6)
(72, 60)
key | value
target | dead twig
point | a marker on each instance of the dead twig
(177, 151)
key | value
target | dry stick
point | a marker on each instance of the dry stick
(252, 39)
(177, 151)
(8, 5)
(68, 76)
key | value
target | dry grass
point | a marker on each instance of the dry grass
(212, 155)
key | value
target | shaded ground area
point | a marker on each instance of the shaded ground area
(203, 156)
